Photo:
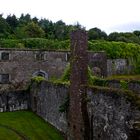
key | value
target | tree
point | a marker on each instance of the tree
(35, 20)
(59, 30)
(48, 27)
(5, 29)
(113, 36)
(33, 30)
(24, 19)
(12, 21)
(125, 37)
(137, 33)
(96, 33)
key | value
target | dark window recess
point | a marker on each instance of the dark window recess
(68, 57)
(4, 56)
(40, 56)
(4, 78)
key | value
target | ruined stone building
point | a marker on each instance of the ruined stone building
(107, 114)
(19, 65)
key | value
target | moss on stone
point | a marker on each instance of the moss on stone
(124, 77)
(38, 79)
(127, 94)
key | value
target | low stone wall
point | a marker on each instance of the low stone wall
(130, 85)
(113, 114)
(119, 66)
(13, 100)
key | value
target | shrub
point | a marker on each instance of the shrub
(124, 84)
(38, 79)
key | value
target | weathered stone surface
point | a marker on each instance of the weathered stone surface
(113, 83)
(134, 86)
(98, 60)
(131, 85)
(112, 116)
(13, 101)
(46, 100)
(118, 66)
(24, 63)
(78, 128)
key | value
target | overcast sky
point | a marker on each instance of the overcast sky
(108, 15)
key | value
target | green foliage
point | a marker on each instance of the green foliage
(25, 26)
(95, 33)
(38, 79)
(115, 49)
(124, 77)
(124, 84)
(64, 107)
(12, 21)
(41, 43)
(100, 82)
(33, 30)
(28, 124)
(35, 43)
(91, 78)
(5, 29)
(136, 64)
(127, 37)
(9, 43)
(66, 74)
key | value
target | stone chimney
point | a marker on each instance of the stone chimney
(78, 121)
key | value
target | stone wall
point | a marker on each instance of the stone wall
(98, 63)
(46, 100)
(17, 66)
(112, 116)
(13, 101)
(118, 66)
(23, 64)
(130, 85)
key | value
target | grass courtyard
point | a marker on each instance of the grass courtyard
(25, 125)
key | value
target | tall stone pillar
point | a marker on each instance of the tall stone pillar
(78, 121)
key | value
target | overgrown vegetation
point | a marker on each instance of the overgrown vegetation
(123, 84)
(38, 79)
(116, 49)
(64, 107)
(66, 76)
(124, 77)
(35, 43)
(28, 124)
(113, 49)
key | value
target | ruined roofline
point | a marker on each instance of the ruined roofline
(48, 50)
(26, 49)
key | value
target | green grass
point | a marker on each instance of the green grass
(25, 123)
(6, 134)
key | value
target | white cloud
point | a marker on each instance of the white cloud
(90, 13)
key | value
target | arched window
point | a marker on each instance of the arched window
(41, 73)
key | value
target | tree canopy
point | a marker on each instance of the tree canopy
(25, 26)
